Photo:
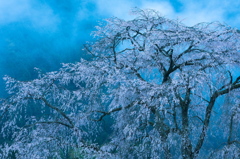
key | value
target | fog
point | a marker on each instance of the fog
(42, 34)
(46, 33)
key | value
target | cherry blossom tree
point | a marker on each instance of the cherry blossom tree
(161, 89)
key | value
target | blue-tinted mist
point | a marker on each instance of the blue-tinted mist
(46, 33)
(43, 34)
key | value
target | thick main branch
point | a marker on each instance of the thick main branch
(209, 108)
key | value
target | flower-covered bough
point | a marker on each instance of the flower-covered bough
(154, 88)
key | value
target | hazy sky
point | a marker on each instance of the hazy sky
(45, 13)
(45, 33)
(190, 11)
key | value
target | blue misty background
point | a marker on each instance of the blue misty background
(43, 34)
(46, 33)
